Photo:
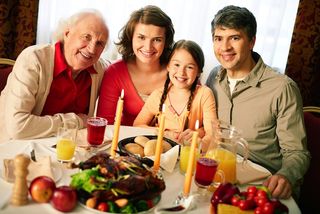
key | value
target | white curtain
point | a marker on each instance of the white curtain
(191, 19)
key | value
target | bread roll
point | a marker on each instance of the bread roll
(165, 146)
(141, 140)
(150, 147)
(135, 149)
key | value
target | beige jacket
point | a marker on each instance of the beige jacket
(23, 98)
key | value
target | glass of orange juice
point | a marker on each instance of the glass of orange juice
(184, 157)
(66, 142)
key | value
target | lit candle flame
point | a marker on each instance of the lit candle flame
(122, 94)
(197, 125)
(163, 108)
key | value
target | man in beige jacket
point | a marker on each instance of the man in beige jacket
(52, 84)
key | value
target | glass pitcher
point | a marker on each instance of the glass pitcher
(224, 147)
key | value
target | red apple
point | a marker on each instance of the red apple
(41, 189)
(64, 198)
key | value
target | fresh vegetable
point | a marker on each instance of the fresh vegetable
(118, 182)
(129, 208)
(91, 202)
(224, 194)
(142, 205)
(103, 206)
(112, 207)
(257, 198)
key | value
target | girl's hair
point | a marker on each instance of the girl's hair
(72, 21)
(149, 15)
(196, 52)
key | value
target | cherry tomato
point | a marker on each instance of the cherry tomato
(103, 206)
(235, 200)
(246, 204)
(260, 201)
(268, 208)
(250, 196)
(149, 203)
(252, 190)
(261, 193)
(243, 194)
(258, 210)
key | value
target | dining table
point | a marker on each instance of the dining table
(174, 181)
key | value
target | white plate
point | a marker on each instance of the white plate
(56, 173)
(101, 212)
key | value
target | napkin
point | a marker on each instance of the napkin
(36, 168)
(249, 172)
(168, 159)
(81, 140)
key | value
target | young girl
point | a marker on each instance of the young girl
(185, 100)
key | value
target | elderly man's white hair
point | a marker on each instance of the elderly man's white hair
(72, 21)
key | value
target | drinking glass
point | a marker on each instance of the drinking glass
(96, 127)
(66, 142)
(206, 169)
(184, 157)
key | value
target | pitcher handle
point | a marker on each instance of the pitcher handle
(245, 147)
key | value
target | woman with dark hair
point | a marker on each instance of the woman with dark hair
(186, 101)
(145, 44)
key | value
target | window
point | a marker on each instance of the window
(191, 19)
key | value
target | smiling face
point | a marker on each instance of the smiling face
(84, 42)
(183, 69)
(233, 49)
(148, 42)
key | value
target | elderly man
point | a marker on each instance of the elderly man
(52, 84)
(264, 104)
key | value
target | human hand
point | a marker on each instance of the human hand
(84, 118)
(279, 186)
(185, 136)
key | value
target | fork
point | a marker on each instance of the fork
(33, 155)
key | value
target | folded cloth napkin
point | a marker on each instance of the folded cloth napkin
(250, 172)
(168, 159)
(82, 142)
(36, 168)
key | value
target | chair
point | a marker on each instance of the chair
(6, 66)
(310, 188)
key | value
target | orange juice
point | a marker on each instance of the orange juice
(65, 149)
(184, 158)
(227, 163)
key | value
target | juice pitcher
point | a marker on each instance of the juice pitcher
(225, 145)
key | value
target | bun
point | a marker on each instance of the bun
(165, 146)
(150, 147)
(141, 140)
(135, 149)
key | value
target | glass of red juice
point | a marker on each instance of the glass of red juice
(206, 169)
(96, 127)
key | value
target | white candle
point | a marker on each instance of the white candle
(188, 178)
(117, 123)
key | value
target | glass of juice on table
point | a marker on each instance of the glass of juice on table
(66, 142)
(184, 157)
(96, 127)
(206, 170)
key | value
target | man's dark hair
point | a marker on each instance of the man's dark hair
(234, 17)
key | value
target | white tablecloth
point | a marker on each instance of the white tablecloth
(174, 181)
